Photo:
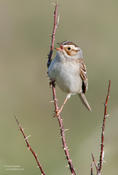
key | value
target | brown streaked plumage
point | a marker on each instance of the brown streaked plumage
(83, 75)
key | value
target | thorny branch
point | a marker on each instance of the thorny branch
(103, 128)
(101, 157)
(30, 148)
(60, 121)
(62, 132)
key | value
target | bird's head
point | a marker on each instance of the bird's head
(69, 50)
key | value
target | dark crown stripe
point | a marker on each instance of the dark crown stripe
(68, 43)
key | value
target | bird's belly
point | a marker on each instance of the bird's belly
(68, 78)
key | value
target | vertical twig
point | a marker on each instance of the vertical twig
(30, 148)
(101, 159)
(60, 121)
(53, 35)
(101, 156)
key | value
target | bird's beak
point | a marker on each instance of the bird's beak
(59, 48)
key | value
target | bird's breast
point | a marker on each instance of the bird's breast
(66, 75)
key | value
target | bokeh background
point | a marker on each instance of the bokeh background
(25, 28)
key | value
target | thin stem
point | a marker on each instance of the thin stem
(62, 132)
(101, 156)
(94, 161)
(101, 159)
(53, 35)
(29, 147)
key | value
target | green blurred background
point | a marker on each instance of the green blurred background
(25, 28)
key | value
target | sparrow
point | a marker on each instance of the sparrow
(69, 72)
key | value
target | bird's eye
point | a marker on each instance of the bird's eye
(69, 48)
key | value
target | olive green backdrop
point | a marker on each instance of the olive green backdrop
(25, 28)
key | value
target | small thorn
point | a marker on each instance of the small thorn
(67, 166)
(65, 148)
(28, 148)
(52, 101)
(27, 137)
(107, 115)
(66, 130)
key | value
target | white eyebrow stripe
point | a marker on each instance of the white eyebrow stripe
(72, 47)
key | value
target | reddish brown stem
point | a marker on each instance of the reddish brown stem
(103, 128)
(91, 168)
(101, 157)
(30, 148)
(53, 35)
(60, 121)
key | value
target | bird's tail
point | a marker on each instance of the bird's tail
(84, 101)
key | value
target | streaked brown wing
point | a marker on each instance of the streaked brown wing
(83, 75)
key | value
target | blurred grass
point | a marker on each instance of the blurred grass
(25, 28)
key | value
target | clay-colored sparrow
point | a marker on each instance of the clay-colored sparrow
(69, 72)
